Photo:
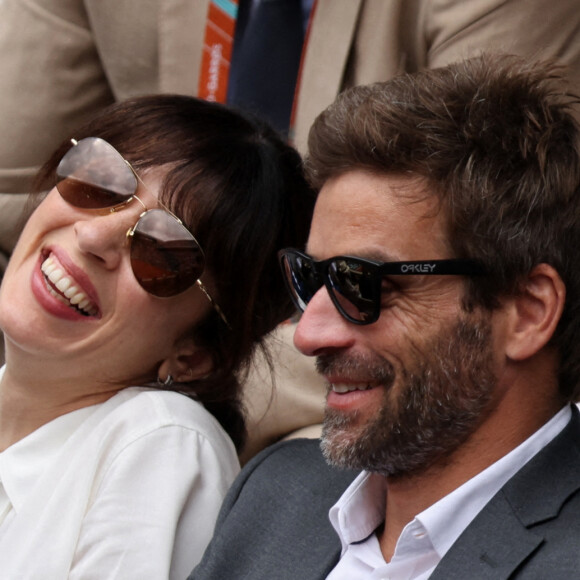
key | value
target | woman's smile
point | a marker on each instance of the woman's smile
(63, 287)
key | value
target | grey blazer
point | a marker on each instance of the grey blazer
(274, 522)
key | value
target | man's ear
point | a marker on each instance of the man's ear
(534, 312)
(187, 362)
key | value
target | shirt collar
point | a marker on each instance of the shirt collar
(360, 509)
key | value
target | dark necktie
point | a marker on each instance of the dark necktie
(265, 61)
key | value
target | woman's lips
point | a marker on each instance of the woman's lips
(64, 287)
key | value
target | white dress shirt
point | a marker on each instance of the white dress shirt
(427, 538)
(127, 489)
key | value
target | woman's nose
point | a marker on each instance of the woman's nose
(322, 328)
(105, 236)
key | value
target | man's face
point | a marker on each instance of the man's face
(407, 390)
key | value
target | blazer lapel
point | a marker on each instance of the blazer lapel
(324, 61)
(509, 528)
(319, 560)
(310, 547)
(181, 32)
(491, 547)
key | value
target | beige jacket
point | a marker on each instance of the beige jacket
(62, 60)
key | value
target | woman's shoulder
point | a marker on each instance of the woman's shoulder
(142, 411)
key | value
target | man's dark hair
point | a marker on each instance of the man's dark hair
(495, 139)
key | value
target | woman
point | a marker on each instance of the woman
(147, 273)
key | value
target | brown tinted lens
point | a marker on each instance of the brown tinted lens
(165, 257)
(87, 196)
(94, 175)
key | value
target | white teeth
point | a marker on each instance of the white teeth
(63, 284)
(48, 267)
(347, 388)
(69, 292)
(76, 298)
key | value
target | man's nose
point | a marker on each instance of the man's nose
(322, 328)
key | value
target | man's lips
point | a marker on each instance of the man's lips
(348, 395)
(65, 288)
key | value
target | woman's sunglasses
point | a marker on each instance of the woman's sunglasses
(165, 257)
(354, 284)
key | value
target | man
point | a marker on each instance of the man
(441, 296)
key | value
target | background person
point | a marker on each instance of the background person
(441, 301)
(136, 295)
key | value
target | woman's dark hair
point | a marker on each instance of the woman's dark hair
(239, 188)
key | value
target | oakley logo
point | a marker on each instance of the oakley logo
(418, 268)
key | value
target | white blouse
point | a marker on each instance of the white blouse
(127, 489)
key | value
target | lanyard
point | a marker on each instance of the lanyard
(217, 50)
(218, 47)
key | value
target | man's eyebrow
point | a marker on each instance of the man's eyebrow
(381, 256)
(372, 254)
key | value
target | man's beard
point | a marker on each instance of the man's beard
(443, 396)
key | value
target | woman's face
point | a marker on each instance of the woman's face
(109, 324)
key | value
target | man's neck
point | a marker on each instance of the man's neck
(409, 496)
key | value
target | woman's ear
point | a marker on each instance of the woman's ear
(187, 362)
(534, 312)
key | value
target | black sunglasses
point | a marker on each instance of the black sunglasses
(354, 284)
(165, 257)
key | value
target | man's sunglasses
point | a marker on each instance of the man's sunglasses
(354, 284)
(165, 257)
